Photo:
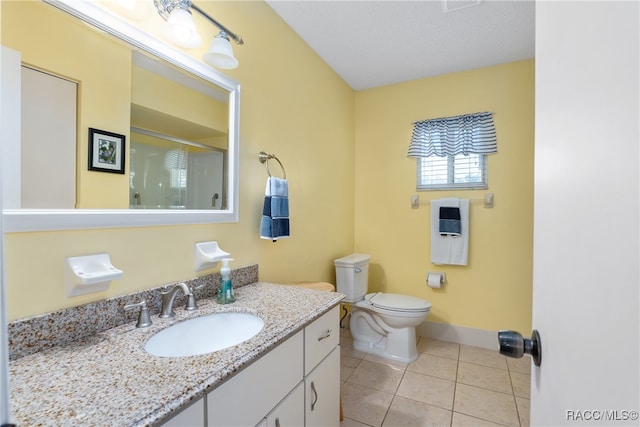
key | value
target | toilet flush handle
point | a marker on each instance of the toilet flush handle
(357, 270)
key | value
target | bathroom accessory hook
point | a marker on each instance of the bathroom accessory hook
(264, 158)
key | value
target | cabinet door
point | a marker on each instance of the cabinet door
(322, 392)
(290, 412)
(193, 416)
(251, 394)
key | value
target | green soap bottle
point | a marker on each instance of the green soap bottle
(225, 290)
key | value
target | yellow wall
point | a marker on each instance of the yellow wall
(177, 100)
(107, 85)
(494, 290)
(100, 66)
(293, 105)
(345, 196)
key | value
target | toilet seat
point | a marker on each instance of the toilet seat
(397, 303)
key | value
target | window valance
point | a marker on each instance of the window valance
(448, 136)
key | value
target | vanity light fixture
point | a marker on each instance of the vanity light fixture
(181, 31)
(220, 53)
(180, 28)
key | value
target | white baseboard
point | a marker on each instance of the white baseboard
(459, 334)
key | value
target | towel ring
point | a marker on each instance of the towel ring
(264, 158)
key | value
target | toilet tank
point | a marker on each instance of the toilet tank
(352, 276)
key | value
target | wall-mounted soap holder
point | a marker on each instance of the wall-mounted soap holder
(208, 255)
(90, 273)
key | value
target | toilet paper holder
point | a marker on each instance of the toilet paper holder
(435, 279)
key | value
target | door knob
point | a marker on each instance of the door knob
(512, 344)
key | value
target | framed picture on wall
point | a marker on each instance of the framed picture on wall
(106, 151)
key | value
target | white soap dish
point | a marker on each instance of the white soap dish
(90, 273)
(208, 255)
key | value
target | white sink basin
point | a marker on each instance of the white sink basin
(204, 334)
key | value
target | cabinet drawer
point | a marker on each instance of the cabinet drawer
(320, 337)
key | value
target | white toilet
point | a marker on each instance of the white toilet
(381, 324)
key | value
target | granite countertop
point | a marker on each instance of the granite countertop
(109, 379)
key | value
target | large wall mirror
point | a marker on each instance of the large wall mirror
(134, 133)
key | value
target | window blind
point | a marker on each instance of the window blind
(449, 136)
(451, 172)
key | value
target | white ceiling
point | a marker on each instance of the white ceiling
(376, 43)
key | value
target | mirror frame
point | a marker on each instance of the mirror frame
(16, 220)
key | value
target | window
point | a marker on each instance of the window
(452, 172)
(452, 152)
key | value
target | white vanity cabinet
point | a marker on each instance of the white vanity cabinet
(193, 416)
(295, 384)
(250, 395)
(290, 412)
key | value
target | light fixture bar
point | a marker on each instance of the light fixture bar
(221, 27)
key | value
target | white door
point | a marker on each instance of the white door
(9, 131)
(586, 234)
(48, 141)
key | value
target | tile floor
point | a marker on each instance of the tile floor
(448, 385)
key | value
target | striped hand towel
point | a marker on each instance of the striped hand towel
(274, 223)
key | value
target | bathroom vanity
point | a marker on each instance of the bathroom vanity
(295, 384)
(287, 374)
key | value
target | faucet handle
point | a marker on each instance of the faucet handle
(191, 298)
(195, 288)
(144, 320)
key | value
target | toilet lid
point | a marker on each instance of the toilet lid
(397, 302)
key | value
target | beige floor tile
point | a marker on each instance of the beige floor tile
(523, 411)
(439, 348)
(485, 377)
(427, 389)
(409, 413)
(384, 361)
(364, 404)
(377, 376)
(348, 422)
(346, 349)
(482, 356)
(426, 393)
(462, 420)
(435, 366)
(349, 362)
(486, 404)
(347, 366)
(521, 384)
(345, 373)
(522, 365)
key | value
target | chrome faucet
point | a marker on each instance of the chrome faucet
(168, 295)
